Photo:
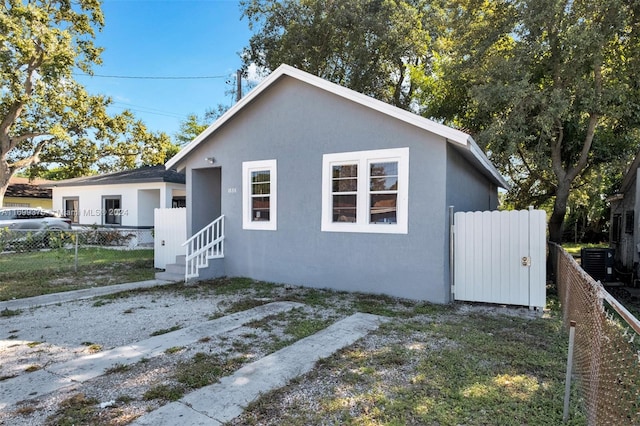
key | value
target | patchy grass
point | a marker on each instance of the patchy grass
(76, 410)
(25, 410)
(226, 286)
(205, 369)
(472, 369)
(243, 305)
(92, 347)
(432, 364)
(173, 350)
(164, 392)
(43, 272)
(6, 312)
(117, 368)
(166, 330)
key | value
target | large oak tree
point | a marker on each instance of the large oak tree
(373, 47)
(548, 87)
(45, 115)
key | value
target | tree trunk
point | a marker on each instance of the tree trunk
(556, 220)
(5, 175)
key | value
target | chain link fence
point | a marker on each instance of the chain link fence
(607, 344)
(64, 249)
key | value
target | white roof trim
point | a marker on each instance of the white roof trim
(450, 134)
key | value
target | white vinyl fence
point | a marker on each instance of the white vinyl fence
(170, 232)
(500, 257)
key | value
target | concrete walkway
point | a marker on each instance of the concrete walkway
(212, 405)
(85, 293)
(219, 403)
(58, 376)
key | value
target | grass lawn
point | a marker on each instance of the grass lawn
(42, 272)
(430, 365)
(574, 248)
(436, 366)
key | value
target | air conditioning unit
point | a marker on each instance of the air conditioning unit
(598, 262)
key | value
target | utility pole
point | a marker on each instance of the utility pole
(238, 85)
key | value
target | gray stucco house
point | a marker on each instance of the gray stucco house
(325, 187)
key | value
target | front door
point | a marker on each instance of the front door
(205, 198)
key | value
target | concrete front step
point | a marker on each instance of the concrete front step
(175, 268)
(174, 271)
(169, 276)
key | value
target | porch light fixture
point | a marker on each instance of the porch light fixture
(210, 160)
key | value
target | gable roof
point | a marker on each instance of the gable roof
(460, 140)
(142, 175)
(630, 175)
(27, 188)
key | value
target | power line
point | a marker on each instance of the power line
(148, 109)
(138, 77)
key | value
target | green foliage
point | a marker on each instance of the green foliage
(6, 312)
(194, 125)
(166, 330)
(77, 409)
(205, 369)
(48, 117)
(546, 87)
(117, 368)
(164, 392)
(373, 47)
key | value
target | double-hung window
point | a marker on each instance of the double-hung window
(366, 191)
(259, 189)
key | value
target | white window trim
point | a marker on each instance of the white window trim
(247, 168)
(363, 159)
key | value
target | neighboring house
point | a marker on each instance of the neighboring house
(123, 199)
(325, 187)
(623, 235)
(25, 192)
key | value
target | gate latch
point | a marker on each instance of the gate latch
(526, 261)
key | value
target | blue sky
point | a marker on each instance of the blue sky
(168, 38)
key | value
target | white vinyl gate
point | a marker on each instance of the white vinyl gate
(170, 228)
(500, 257)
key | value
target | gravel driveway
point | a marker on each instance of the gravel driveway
(39, 338)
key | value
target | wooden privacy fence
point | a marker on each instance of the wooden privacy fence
(170, 227)
(500, 257)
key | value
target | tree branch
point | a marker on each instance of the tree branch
(591, 127)
(556, 153)
(13, 142)
(32, 159)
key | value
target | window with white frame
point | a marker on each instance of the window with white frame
(366, 191)
(259, 192)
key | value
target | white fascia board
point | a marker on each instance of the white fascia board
(488, 165)
(173, 161)
(450, 134)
